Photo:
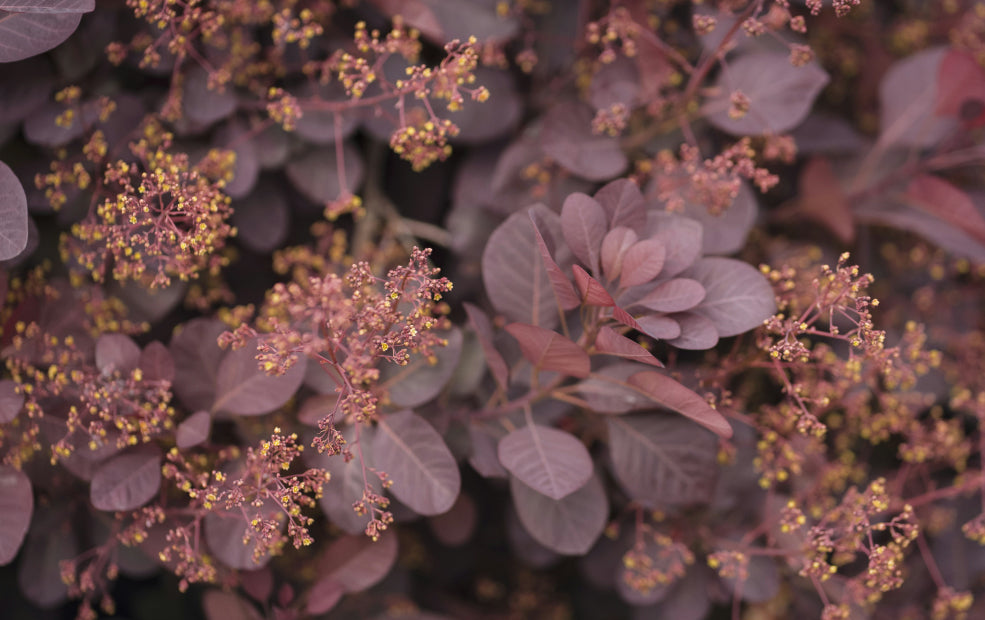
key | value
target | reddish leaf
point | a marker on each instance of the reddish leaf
(568, 139)
(941, 199)
(156, 362)
(219, 605)
(564, 292)
(226, 530)
(609, 342)
(625, 318)
(424, 472)
(606, 390)
(614, 246)
(623, 204)
(674, 295)
(258, 584)
(672, 395)
(242, 388)
(483, 329)
(908, 99)
(13, 211)
(960, 84)
(681, 236)
(16, 508)
(547, 460)
(615, 83)
(127, 481)
(455, 527)
(821, 199)
(196, 357)
(358, 563)
(726, 232)
(737, 296)
(11, 402)
(421, 380)
(324, 595)
(642, 262)
(550, 350)
(664, 328)
(193, 430)
(116, 353)
(592, 292)
(695, 332)
(662, 460)
(584, 225)
(485, 451)
(570, 525)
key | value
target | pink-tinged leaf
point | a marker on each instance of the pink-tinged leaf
(662, 460)
(156, 362)
(421, 380)
(569, 526)
(41, 128)
(567, 138)
(127, 481)
(358, 563)
(39, 574)
(625, 318)
(424, 472)
(23, 35)
(193, 430)
(681, 236)
(16, 508)
(822, 199)
(737, 296)
(908, 98)
(13, 213)
(262, 218)
(674, 295)
(941, 199)
(564, 292)
(513, 271)
(584, 225)
(609, 342)
(663, 327)
(672, 395)
(219, 605)
(347, 484)
(485, 451)
(237, 137)
(323, 126)
(686, 599)
(780, 94)
(317, 407)
(116, 353)
(614, 246)
(524, 546)
(960, 83)
(547, 460)
(226, 530)
(455, 527)
(483, 330)
(761, 584)
(592, 292)
(615, 83)
(695, 332)
(642, 262)
(201, 104)
(444, 20)
(606, 390)
(316, 173)
(243, 389)
(258, 584)
(11, 402)
(726, 232)
(549, 350)
(48, 6)
(479, 123)
(623, 203)
(196, 359)
(324, 595)
(956, 241)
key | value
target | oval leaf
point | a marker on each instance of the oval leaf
(243, 389)
(674, 295)
(196, 357)
(548, 460)
(583, 223)
(357, 562)
(695, 332)
(570, 525)
(642, 262)
(23, 35)
(908, 99)
(11, 402)
(316, 173)
(670, 394)
(16, 508)
(614, 246)
(13, 211)
(550, 350)
(568, 139)
(610, 342)
(623, 203)
(116, 353)
(737, 296)
(193, 430)
(127, 481)
(421, 380)
(219, 605)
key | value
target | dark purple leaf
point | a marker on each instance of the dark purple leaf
(615, 83)
(592, 292)
(13, 214)
(348, 483)
(737, 296)
(663, 460)
(11, 402)
(696, 333)
(674, 295)
(547, 460)
(927, 226)
(424, 472)
(642, 262)
(41, 129)
(485, 451)
(116, 353)
(568, 139)
(444, 20)
(24, 87)
(321, 126)
(202, 105)
(262, 218)
(357, 562)
(614, 246)
(549, 350)
(780, 94)
(196, 359)
(483, 330)
(524, 546)
(16, 508)
(317, 407)
(623, 203)
(324, 595)
(23, 35)
(455, 527)
(688, 598)
(48, 6)
(272, 147)
(665, 328)
(564, 292)
(146, 304)
(942, 199)
(762, 584)
(481, 122)
(672, 395)
(583, 223)
(514, 273)
(242, 388)
(908, 100)
(219, 605)
(156, 362)
(606, 390)
(422, 379)
(316, 173)
(569, 526)
(226, 530)
(127, 481)
(193, 430)
(237, 137)
(681, 237)
(39, 574)
(610, 342)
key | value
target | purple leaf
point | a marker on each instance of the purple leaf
(927, 226)
(663, 460)
(322, 126)
(737, 296)
(664, 328)
(696, 333)
(196, 360)
(942, 199)
(48, 6)
(547, 460)
(193, 430)
(11, 402)
(564, 292)
(583, 223)
(219, 605)
(41, 128)
(316, 173)
(23, 35)
(606, 390)
(623, 203)
(202, 105)
(908, 101)
(762, 584)
(688, 598)
(485, 452)
(568, 139)
(549, 350)
(262, 218)
(116, 353)
(455, 527)
(642, 262)
(421, 380)
(726, 232)
(13, 213)
(324, 595)
(674, 295)
(495, 118)
(226, 530)
(681, 237)
(348, 483)
(127, 481)
(237, 137)
(592, 292)
(672, 395)
(615, 83)
(780, 94)
(16, 508)
(625, 318)
(358, 563)
(24, 87)
(156, 362)
(483, 330)
(422, 468)
(569, 526)
(610, 342)
(444, 20)
(242, 388)
(614, 246)
(317, 407)
(39, 574)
